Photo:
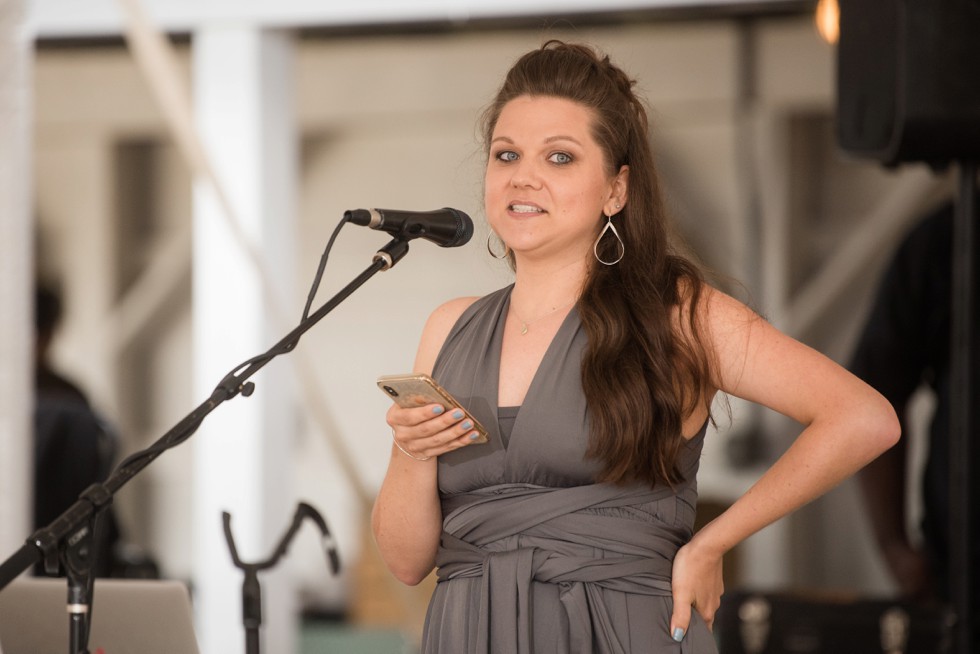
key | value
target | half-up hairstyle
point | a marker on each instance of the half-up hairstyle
(643, 370)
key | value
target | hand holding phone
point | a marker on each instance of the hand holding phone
(416, 390)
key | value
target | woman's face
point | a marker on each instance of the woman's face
(547, 183)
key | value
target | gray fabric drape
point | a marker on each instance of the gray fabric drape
(535, 557)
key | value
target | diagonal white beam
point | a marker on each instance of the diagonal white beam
(892, 216)
(153, 292)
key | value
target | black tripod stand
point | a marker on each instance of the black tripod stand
(251, 590)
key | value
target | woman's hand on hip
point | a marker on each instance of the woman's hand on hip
(696, 582)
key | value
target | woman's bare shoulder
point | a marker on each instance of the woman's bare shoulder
(437, 328)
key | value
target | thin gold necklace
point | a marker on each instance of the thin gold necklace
(525, 324)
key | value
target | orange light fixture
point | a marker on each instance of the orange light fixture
(827, 18)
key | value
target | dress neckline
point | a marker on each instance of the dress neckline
(497, 344)
(496, 348)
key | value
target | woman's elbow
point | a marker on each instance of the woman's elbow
(408, 569)
(885, 427)
(408, 576)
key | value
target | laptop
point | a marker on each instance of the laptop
(130, 616)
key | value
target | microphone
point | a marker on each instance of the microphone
(445, 227)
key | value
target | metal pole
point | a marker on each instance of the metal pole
(965, 363)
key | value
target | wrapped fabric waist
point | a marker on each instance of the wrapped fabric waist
(575, 533)
(513, 535)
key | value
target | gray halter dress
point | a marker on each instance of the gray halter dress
(535, 557)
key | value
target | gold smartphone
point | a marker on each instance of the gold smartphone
(414, 390)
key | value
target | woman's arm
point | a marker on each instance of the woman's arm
(846, 425)
(407, 518)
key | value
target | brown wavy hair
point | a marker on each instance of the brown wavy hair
(643, 370)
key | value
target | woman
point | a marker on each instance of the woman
(571, 530)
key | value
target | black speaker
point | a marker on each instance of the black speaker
(908, 80)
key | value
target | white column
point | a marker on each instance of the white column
(243, 99)
(16, 277)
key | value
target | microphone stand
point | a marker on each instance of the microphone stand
(70, 537)
(251, 590)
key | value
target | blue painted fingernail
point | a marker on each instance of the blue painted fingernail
(678, 634)
(457, 414)
(437, 410)
(467, 425)
(474, 436)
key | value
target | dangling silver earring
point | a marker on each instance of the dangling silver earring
(622, 248)
(490, 248)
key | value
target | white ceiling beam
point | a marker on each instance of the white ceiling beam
(94, 18)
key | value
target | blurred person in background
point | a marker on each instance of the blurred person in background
(904, 347)
(73, 446)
